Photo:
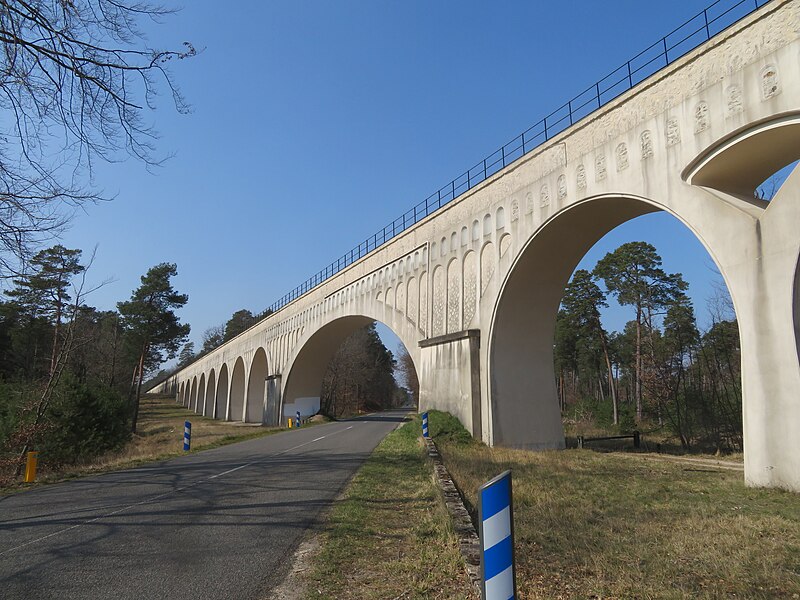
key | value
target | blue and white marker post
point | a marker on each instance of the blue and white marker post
(425, 425)
(187, 435)
(498, 578)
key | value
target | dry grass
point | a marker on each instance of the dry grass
(159, 436)
(390, 535)
(610, 525)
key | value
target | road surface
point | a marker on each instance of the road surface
(217, 524)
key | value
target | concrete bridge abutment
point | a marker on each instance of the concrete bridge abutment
(450, 377)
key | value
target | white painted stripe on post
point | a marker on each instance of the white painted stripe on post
(501, 586)
(496, 528)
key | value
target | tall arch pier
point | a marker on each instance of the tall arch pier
(473, 289)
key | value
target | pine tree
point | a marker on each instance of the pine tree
(44, 292)
(152, 328)
(239, 322)
(581, 303)
(633, 273)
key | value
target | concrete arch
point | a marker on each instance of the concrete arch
(201, 395)
(738, 163)
(238, 385)
(181, 392)
(193, 396)
(211, 388)
(308, 363)
(528, 302)
(256, 388)
(500, 218)
(221, 398)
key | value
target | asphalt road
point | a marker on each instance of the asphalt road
(217, 524)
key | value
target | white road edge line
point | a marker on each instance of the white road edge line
(175, 491)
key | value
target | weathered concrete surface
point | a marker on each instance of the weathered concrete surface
(692, 140)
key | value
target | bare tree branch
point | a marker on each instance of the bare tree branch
(76, 79)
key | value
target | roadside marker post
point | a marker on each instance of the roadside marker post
(425, 425)
(30, 467)
(496, 516)
(187, 435)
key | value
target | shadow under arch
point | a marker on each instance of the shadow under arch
(256, 388)
(738, 163)
(524, 410)
(796, 308)
(201, 395)
(208, 407)
(309, 364)
(237, 391)
(222, 393)
(193, 397)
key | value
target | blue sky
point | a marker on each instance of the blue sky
(315, 123)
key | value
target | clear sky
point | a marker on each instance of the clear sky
(315, 123)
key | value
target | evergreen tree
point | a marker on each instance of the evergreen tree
(44, 292)
(581, 303)
(239, 322)
(187, 354)
(673, 391)
(153, 329)
(633, 273)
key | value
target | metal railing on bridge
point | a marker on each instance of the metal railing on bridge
(702, 27)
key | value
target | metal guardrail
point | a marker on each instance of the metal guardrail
(702, 27)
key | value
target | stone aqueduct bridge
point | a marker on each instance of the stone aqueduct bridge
(473, 290)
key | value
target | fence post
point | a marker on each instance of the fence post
(425, 425)
(187, 435)
(580, 442)
(30, 467)
(637, 440)
(496, 519)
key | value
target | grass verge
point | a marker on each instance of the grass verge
(159, 437)
(390, 535)
(613, 525)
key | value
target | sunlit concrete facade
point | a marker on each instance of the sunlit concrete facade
(473, 290)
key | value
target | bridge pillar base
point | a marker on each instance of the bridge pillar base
(450, 377)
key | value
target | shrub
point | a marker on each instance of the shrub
(85, 420)
(445, 427)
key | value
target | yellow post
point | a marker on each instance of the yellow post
(290, 422)
(30, 467)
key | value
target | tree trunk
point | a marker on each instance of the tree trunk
(612, 388)
(62, 356)
(56, 332)
(138, 389)
(113, 357)
(638, 382)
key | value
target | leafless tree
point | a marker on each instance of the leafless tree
(76, 80)
(407, 372)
